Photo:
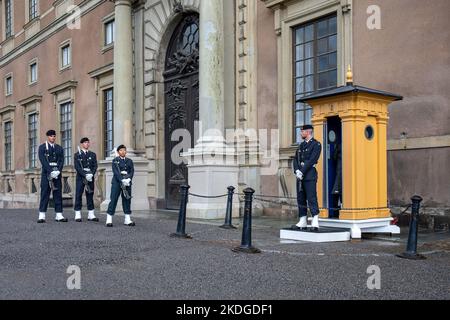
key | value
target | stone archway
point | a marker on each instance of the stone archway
(160, 21)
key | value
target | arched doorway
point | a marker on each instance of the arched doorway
(181, 99)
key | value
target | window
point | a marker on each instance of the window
(369, 132)
(33, 72)
(66, 131)
(8, 145)
(9, 85)
(108, 98)
(109, 32)
(315, 64)
(190, 39)
(8, 18)
(32, 140)
(33, 9)
(65, 56)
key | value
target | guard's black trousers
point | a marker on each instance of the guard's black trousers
(45, 194)
(80, 189)
(307, 193)
(116, 192)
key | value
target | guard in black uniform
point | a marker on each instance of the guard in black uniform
(86, 167)
(305, 161)
(123, 169)
(51, 157)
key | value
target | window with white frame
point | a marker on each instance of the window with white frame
(8, 85)
(66, 131)
(33, 9)
(32, 140)
(108, 98)
(33, 72)
(109, 32)
(65, 56)
(8, 145)
(8, 19)
(315, 64)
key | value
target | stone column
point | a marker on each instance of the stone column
(123, 110)
(212, 56)
(211, 163)
(123, 75)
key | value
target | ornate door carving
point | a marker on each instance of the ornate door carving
(181, 99)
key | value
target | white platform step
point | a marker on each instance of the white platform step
(324, 235)
(357, 227)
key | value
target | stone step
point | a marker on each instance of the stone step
(323, 235)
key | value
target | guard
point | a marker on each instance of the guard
(86, 167)
(305, 161)
(123, 170)
(51, 157)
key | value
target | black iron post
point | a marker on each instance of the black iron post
(229, 213)
(246, 244)
(411, 248)
(181, 233)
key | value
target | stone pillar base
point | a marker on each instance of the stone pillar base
(211, 180)
(210, 211)
(139, 190)
(212, 169)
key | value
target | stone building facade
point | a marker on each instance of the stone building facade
(136, 71)
(58, 68)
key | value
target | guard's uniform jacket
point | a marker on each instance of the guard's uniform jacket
(51, 159)
(85, 163)
(122, 169)
(305, 160)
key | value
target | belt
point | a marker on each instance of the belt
(87, 170)
(124, 173)
(303, 164)
(53, 164)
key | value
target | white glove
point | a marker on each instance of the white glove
(127, 182)
(124, 182)
(57, 174)
(299, 174)
(89, 177)
(54, 174)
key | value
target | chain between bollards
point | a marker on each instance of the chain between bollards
(249, 195)
(246, 244)
(229, 213)
(411, 249)
(181, 227)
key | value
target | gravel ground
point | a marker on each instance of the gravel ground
(145, 263)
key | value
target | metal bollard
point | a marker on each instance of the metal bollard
(246, 244)
(411, 249)
(181, 233)
(228, 217)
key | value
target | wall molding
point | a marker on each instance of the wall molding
(419, 143)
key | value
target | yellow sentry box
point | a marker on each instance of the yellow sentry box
(354, 119)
